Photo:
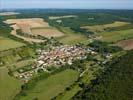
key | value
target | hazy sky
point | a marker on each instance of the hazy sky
(84, 4)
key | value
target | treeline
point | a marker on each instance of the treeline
(81, 30)
(115, 83)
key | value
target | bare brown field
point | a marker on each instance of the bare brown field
(126, 44)
(26, 24)
(47, 32)
(34, 26)
(32, 22)
(25, 28)
(8, 13)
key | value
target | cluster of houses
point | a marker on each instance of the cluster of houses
(25, 76)
(56, 56)
(60, 55)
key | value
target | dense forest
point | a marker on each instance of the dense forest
(85, 17)
(113, 84)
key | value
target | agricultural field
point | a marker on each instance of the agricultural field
(32, 22)
(52, 86)
(20, 64)
(34, 26)
(101, 28)
(9, 86)
(71, 37)
(26, 24)
(15, 57)
(47, 32)
(112, 32)
(126, 44)
(6, 44)
(115, 36)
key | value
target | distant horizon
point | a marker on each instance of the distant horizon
(67, 4)
(59, 9)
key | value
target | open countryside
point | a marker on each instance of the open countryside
(65, 54)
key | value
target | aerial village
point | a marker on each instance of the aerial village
(57, 56)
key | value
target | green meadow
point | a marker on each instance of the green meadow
(6, 43)
(9, 86)
(71, 37)
(52, 86)
(114, 36)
